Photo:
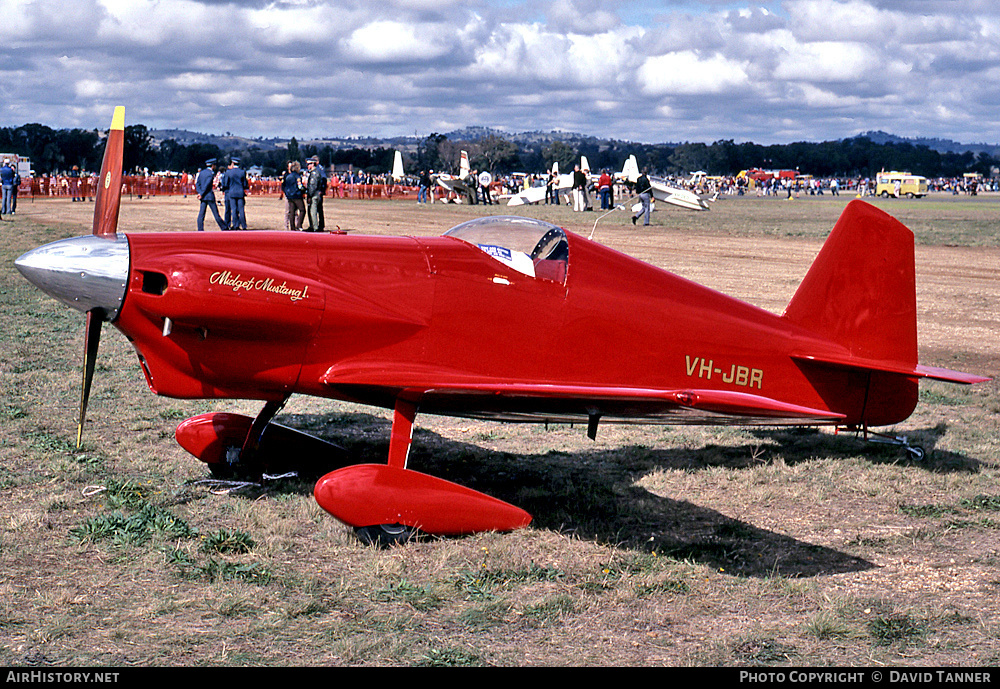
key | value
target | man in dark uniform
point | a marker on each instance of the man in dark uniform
(234, 182)
(203, 186)
(645, 191)
(472, 187)
(315, 188)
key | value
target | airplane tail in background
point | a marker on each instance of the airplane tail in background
(860, 294)
(397, 166)
(630, 171)
(463, 167)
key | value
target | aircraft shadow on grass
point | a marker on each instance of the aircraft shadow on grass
(593, 494)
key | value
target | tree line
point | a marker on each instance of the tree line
(58, 150)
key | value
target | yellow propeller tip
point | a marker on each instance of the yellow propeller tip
(118, 119)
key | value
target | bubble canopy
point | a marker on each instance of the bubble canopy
(530, 246)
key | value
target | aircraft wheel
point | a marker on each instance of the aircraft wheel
(235, 471)
(917, 453)
(384, 535)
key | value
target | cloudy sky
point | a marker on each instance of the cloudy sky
(642, 70)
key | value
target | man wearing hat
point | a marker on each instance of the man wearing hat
(203, 185)
(234, 183)
(315, 188)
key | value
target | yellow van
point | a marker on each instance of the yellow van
(900, 184)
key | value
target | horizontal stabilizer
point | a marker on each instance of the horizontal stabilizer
(949, 376)
(918, 371)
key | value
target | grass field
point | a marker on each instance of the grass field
(649, 546)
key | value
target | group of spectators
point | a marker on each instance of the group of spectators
(810, 186)
(303, 193)
(304, 190)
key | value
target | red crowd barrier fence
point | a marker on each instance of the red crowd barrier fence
(60, 186)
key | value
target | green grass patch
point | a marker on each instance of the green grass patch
(927, 511)
(892, 628)
(422, 598)
(549, 610)
(129, 530)
(982, 502)
(482, 582)
(448, 657)
(486, 616)
(827, 624)
(228, 541)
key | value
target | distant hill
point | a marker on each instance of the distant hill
(939, 145)
(226, 142)
(229, 142)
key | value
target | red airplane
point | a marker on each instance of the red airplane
(501, 318)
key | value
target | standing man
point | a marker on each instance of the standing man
(13, 194)
(291, 189)
(485, 180)
(74, 183)
(579, 189)
(7, 182)
(645, 191)
(315, 188)
(552, 188)
(425, 186)
(204, 187)
(234, 182)
(472, 186)
(604, 187)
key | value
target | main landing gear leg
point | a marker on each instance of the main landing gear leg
(238, 447)
(246, 456)
(400, 439)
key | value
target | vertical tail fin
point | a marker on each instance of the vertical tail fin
(630, 171)
(463, 165)
(860, 292)
(397, 166)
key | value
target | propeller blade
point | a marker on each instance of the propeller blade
(92, 339)
(107, 204)
(109, 186)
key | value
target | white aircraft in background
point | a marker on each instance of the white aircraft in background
(537, 194)
(397, 167)
(663, 191)
(457, 183)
